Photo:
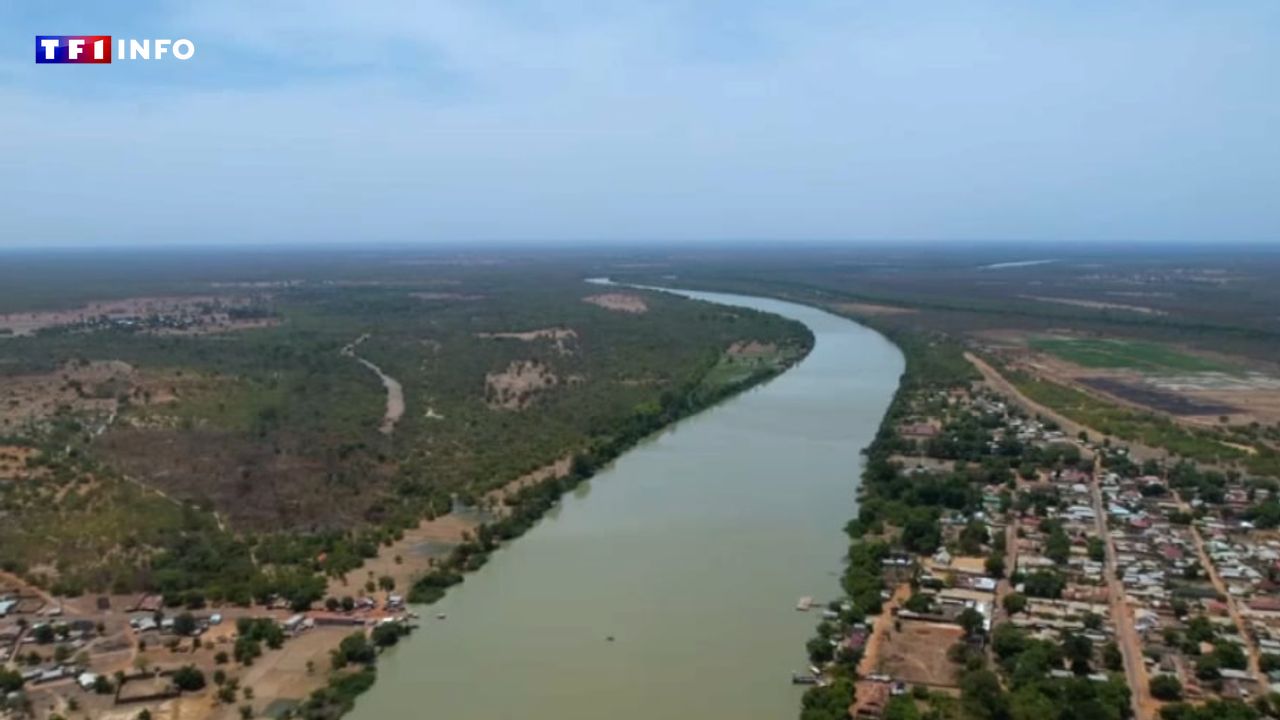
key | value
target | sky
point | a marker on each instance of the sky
(337, 121)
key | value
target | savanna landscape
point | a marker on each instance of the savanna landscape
(297, 437)
(229, 481)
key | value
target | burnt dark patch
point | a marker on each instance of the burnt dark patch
(1157, 399)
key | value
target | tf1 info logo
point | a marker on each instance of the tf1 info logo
(97, 49)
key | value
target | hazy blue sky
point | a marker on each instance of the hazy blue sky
(340, 120)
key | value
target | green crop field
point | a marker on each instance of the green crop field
(1138, 355)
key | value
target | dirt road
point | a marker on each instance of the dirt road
(998, 383)
(395, 391)
(1144, 706)
(884, 621)
(1250, 647)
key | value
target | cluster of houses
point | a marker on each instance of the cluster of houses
(1176, 573)
(1083, 605)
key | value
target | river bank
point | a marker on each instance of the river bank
(688, 551)
(440, 552)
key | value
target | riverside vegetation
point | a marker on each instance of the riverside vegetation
(249, 465)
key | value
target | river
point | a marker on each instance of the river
(690, 551)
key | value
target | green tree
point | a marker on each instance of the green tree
(184, 624)
(1166, 688)
(982, 696)
(827, 703)
(10, 681)
(972, 621)
(1014, 603)
(188, 678)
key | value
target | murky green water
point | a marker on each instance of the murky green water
(691, 551)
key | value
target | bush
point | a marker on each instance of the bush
(388, 634)
(1014, 603)
(354, 648)
(188, 678)
(1166, 688)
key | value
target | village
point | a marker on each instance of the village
(1058, 561)
(130, 657)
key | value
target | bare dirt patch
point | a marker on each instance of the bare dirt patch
(284, 675)
(917, 653)
(619, 302)
(444, 296)
(1096, 304)
(193, 314)
(871, 309)
(752, 349)
(516, 386)
(562, 337)
(412, 555)
(13, 461)
(77, 386)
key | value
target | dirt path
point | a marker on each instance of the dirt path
(1251, 648)
(395, 391)
(884, 621)
(1144, 706)
(1004, 588)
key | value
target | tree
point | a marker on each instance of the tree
(10, 681)
(995, 564)
(921, 534)
(354, 648)
(901, 708)
(827, 703)
(1058, 547)
(1008, 640)
(982, 697)
(973, 537)
(1230, 655)
(1166, 688)
(188, 678)
(387, 634)
(43, 634)
(1014, 603)
(1045, 584)
(972, 621)
(1208, 667)
(387, 583)
(1097, 549)
(184, 624)
(1112, 659)
(919, 603)
(1079, 650)
(820, 650)
(246, 650)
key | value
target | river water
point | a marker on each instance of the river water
(690, 551)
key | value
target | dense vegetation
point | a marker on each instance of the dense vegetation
(264, 443)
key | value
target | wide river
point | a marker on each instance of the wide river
(690, 551)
